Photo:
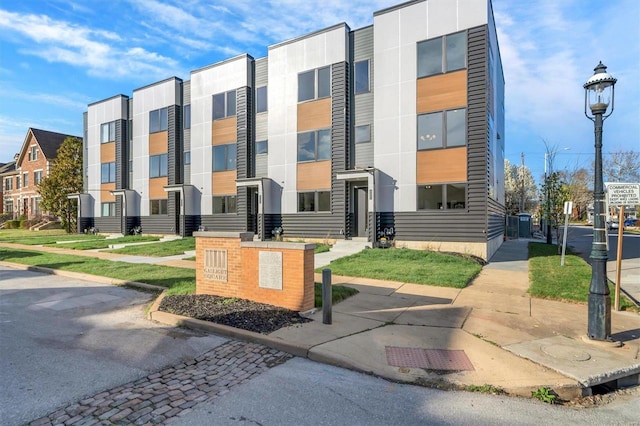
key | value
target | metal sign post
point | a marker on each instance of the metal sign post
(568, 208)
(621, 194)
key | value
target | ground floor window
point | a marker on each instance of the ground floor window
(35, 206)
(442, 197)
(8, 207)
(108, 209)
(157, 207)
(317, 201)
(224, 204)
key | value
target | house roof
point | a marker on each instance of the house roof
(49, 142)
(7, 167)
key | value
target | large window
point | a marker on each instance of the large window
(442, 197)
(187, 116)
(8, 206)
(157, 207)
(314, 84)
(361, 71)
(262, 147)
(224, 105)
(37, 177)
(158, 166)
(108, 209)
(108, 172)
(18, 182)
(363, 134)
(158, 120)
(442, 129)
(108, 132)
(25, 180)
(442, 54)
(224, 157)
(314, 146)
(261, 99)
(224, 204)
(318, 201)
(8, 184)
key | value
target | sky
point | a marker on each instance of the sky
(57, 56)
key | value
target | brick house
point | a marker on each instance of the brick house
(7, 173)
(32, 164)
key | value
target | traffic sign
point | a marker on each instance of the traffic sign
(623, 194)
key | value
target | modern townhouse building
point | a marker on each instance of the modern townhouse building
(335, 134)
(32, 164)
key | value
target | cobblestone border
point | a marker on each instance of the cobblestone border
(172, 392)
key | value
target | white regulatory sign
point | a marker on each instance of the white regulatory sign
(623, 194)
(568, 207)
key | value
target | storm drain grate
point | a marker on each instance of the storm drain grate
(432, 359)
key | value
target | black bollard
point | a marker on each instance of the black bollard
(326, 296)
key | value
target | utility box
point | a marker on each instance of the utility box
(524, 225)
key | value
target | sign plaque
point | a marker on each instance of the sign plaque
(623, 194)
(215, 265)
(270, 269)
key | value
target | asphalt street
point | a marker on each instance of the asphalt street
(63, 339)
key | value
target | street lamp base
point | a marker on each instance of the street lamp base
(599, 326)
(602, 343)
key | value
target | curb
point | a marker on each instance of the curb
(83, 276)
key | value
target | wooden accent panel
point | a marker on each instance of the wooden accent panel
(314, 115)
(156, 188)
(442, 165)
(224, 131)
(314, 175)
(224, 183)
(108, 152)
(105, 192)
(440, 92)
(158, 143)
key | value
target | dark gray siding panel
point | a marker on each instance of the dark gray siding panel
(312, 225)
(107, 224)
(496, 219)
(439, 226)
(262, 72)
(122, 154)
(174, 148)
(85, 160)
(244, 138)
(191, 224)
(270, 222)
(339, 140)
(85, 223)
(225, 222)
(161, 224)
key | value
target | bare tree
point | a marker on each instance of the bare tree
(622, 166)
(579, 183)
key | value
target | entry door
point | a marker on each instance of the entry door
(361, 210)
(253, 210)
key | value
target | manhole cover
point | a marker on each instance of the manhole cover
(566, 352)
(432, 359)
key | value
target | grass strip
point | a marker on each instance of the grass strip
(101, 244)
(321, 248)
(177, 280)
(30, 239)
(570, 282)
(164, 248)
(338, 294)
(404, 265)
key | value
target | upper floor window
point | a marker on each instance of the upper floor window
(361, 80)
(33, 153)
(187, 116)
(442, 129)
(224, 157)
(108, 132)
(314, 146)
(37, 177)
(159, 120)
(25, 180)
(442, 54)
(261, 99)
(363, 133)
(18, 182)
(314, 84)
(158, 166)
(224, 105)
(108, 172)
(8, 184)
(187, 158)
(262, 147)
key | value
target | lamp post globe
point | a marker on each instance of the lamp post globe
(598, 105)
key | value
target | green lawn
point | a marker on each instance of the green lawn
(101, 244)
(177, 280)
(165, 248)
(321, 248)
(413, 266)
(338, 294)
(570, 282)
(49, 236)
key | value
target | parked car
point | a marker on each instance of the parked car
(631, 222)
(612, 224)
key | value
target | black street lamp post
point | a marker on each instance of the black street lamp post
(599, 94)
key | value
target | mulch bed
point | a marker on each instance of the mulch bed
(238, 313)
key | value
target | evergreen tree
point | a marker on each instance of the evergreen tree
(65, 177)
